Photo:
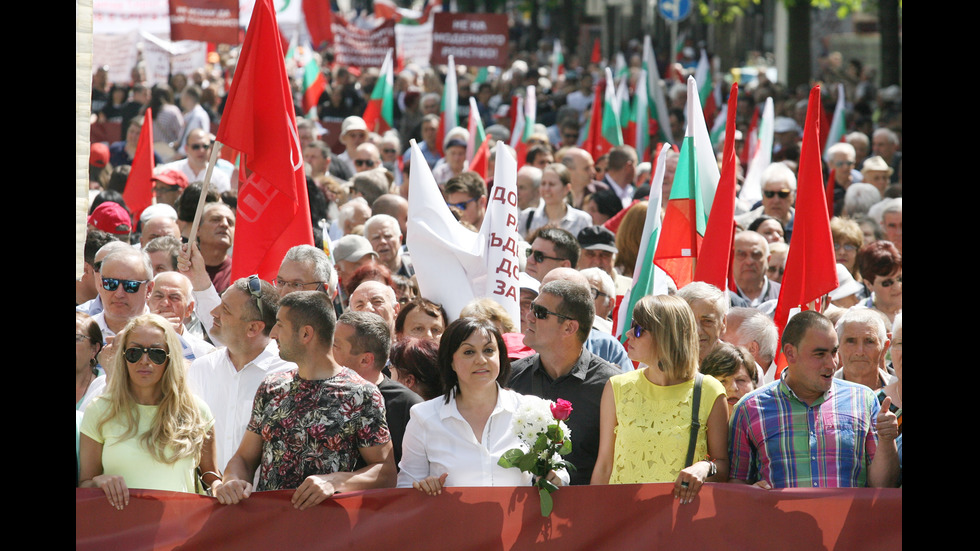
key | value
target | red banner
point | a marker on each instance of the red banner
(362, 47)
(204, 20)
(478, 39)
(627, 516)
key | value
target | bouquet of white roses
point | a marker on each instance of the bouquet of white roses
(540, 424)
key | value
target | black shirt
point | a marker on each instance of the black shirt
(398, 401)
(582, 386)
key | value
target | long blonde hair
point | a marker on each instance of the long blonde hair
(178, 429)
(671, 322)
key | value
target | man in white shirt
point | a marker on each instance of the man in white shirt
(195, 166)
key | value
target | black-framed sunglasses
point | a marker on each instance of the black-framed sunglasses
(129, 285)
(539, 256)
(255, 289)
(364, 162)
(541, 312)
(636, 329)
(158, 356)
(462, 205)
(199, 146)
(889, 282)
(783, 194)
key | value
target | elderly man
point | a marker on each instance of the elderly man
(227, 379)
(366, 157)
(216, 235)
(159, 226)
(528, 188)
(468, 193)
(599, 251)
(378, 298)
(173, 298)
(581, 168)
(710, 306)
(621, 172)
(370, 184)
(888, 215)
(808, 429)
(863, 343)
(362, 342)
(314, 427)
(385, 236)
(778, 197)
(557, 328)
(884, 143)
(841, 158)
(168, 185)
(756, 332)
(393, 205)
(350, 253)
(87, 287)
(750, 269)
(877, 173)
(454, 162)
(552, 248)
(350, 216)
(195, 166)
(430, 137)
(124, 285)
(305, 268)
(353, 132)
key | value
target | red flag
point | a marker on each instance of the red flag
(825, 123)
(139, 185)
(596, 51)
(480, 159)
(319, 21)
(595, 143)
(716, 248)
(273, 208)
(810, 266)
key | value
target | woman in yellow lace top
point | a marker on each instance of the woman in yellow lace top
(645, 416)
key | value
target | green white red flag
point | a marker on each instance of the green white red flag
(835, 134)
(709, 100)
(640, 118)
(379, 114)
(448, 112)
(557, 62)
(761, 157)
(656, 101)
(478, 147)
(258, 120)
(612, 128)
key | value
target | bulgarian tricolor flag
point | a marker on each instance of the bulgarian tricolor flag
(639, 118)
(557, 62)
(655, 94)
(527, 109)
(687, 210)
(448, 115)
(612, 128)
(625, 114)
(647, 278)
(835, 134)
(379, 114)
(761, 158)
(710, 101)
(477, 148)
(314, 83)
(621, 68)
(605, 131)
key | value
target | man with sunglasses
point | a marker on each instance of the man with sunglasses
(552, 248)
(559, 323)
(366, 157)
(468, 193)
(195, 166)
(778, 197)
(123, 287)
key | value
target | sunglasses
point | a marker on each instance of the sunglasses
(388, 151)
(364, 162)
(129, 285)
(462, 206)
(255, 289)
(844, 163)
(158, 356)
(539, 256)
(783, 193)
(890, 282)
(541, 312)
(636, 329)
(199, 146)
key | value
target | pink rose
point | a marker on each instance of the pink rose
(561, 410)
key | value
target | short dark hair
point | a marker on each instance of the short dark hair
(576, 303)
(799, 324)
(311, 308)
(619, 156)
(431, 308)
(186, 204)
(94, 240)
(457, 332)
(468, 182)
(726, 359)
(270, 303)
(566, 246)
(371, 334)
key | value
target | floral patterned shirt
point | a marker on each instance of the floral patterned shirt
(314, 427)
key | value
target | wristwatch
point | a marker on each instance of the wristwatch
(712, 468)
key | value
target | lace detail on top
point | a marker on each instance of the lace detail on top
(654, 427)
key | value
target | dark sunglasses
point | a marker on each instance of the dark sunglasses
(364, 162)
(255, 289)
(462, 206)
(890, 282)
(783, 193)
(389, 151)
(540, 256)
(129, 285)
(541, 312)
(158, 356)
(636, 329)
(199, 146)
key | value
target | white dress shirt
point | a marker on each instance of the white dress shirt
(438, 440)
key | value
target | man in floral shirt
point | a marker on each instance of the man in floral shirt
(313, 427)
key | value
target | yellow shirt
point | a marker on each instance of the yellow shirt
(654, 427)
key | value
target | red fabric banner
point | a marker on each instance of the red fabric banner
(205, 20)
(627, 516)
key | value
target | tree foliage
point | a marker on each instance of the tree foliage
(725, 11)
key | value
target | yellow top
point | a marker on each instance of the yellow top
(654, 427)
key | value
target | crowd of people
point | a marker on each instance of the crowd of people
(340, 374)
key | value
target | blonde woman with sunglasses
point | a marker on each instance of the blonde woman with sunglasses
(148, 430)
(645, 418)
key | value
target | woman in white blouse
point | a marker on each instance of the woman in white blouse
(457, 439)
(556, 183)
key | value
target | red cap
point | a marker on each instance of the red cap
(172, 178)
(98, 155)
(111, 218)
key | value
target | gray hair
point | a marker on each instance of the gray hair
(859, 198)
(758, 328)
(130, 252)
(384, 219)
(862, 316)
(322, 270)
(779, 172)
(699, 290)
(878, 211)
(886, 132)
(348, 209)
(371, 334)
(533, 173)
(841, 147)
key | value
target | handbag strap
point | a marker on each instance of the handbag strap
(695, 423)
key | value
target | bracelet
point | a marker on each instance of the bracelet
(217, 476)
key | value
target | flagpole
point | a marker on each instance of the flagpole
(215, 148)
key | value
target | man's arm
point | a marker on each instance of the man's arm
(883, 472)
(236, 484)
(380, 472)
(741, 453)
(191, 264)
